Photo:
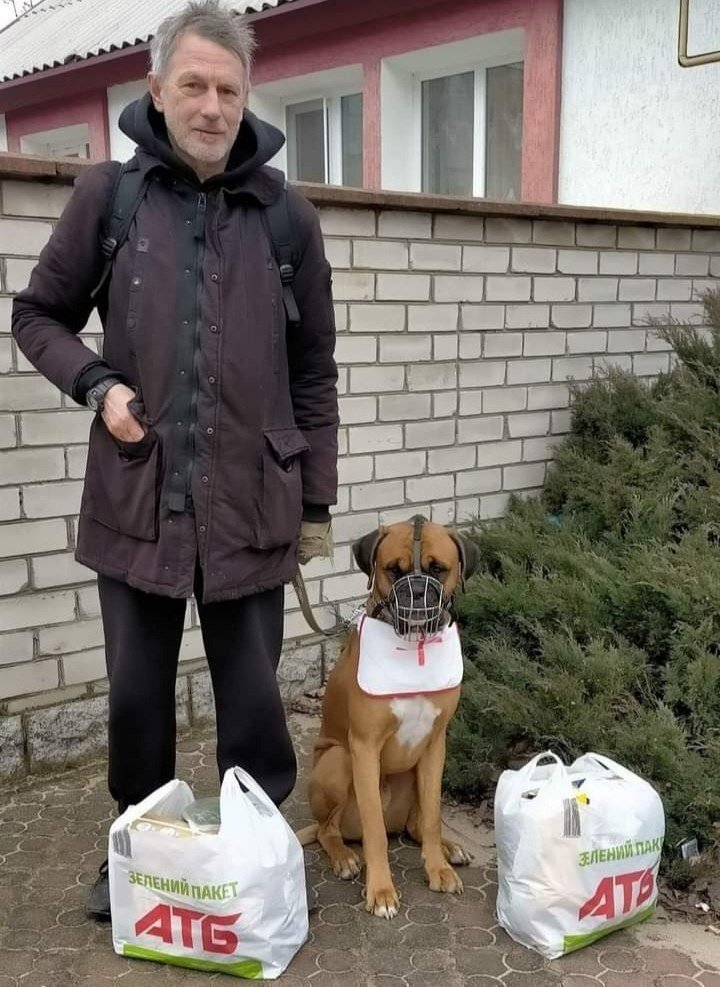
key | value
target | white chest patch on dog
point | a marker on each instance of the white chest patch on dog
(415, 719)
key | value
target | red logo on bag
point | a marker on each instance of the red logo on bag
(602, 902)
(215, 938)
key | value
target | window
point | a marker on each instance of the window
(324, 138)
(62, 142)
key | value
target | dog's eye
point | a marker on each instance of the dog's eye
(437, 569)
(396, 571)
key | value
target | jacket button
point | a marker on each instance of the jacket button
(210, 430)
(214, 277)
(205, 479)
(211, 380)
(202, 528)
(188, 271)
(213, 328)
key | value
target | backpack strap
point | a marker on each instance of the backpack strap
(127, 194)
(286, 250)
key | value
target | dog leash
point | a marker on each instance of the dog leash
(299, 584)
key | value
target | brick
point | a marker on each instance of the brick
(404, 407)
(445, 348)
(533, 259)
(17, 274)
(13, 576)
(452, 459)
(627, 340)
(405, 349)
(8, 436)
(595, 235)
(36, 610)
(423, 435)
(655, 343)
(507, 289)
(6, 304)
(431, 377)
(540, 448)
(411, 225)
(55, 427)
(492, 260)
(459, 288)
(478, 482)
(341, 317)
(443, 512)
(347, 587)
(554, 289)
(495, 344)
(471, 402)
(403, 287)
(679, 310)
(560, 421)
(466, 508)
(377, 318)
(9, 503)
(505, 399)
(337, 253)
(527, 316)
(356, 349)
(533, 423)
(25, 237)
(67, 638)
(696, 265)
(548, 396)
(353, 286)
(355, 469)
(375, 438)
(24, 393)
(618, 262)
(706, 240)
(88, 601)
(528, 371)
(354, 410)
(577, 262)
(499, 230)
(16, 647)
(372, 379)
(609, 316)
(380, 254)
(618, 361)
(424, 488)
(577, 367)
(637, 290)
(351, 526)
(432, 318)
(553, 232)
(6, 358)
(523, 477)
(387, 494)
(674, 290)
(435, 257)
(597, 289)
(482, 373)
(458, 228)
(30, 677)
(76, 460)
(34, 199)
(400, 464)
(482, 316)
(87, 666)
(544, 344)
(637, 237)
(33, 536)
(654, 263)
(499, 453)
(587, 342)
(673, 239)
(402, 513)
(571, 316)
(347, 222)
(444, 403)
(493, 506)
(650, 364)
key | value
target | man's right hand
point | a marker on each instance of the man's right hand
(119, 420)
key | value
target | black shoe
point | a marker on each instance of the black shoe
(97, 904)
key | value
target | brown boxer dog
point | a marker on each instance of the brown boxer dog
(378, 762)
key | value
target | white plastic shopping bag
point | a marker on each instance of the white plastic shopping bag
(578, 851)
(233, 900)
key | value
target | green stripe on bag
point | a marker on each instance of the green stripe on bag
(248, 969)
(571, 943)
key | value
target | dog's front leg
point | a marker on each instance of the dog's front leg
(381, 898)
(440, 874)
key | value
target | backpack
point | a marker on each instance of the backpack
(129, 191)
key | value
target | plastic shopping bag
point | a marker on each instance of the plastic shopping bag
(233, 900)
(578, 851)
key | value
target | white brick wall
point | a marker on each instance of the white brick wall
(456, 338)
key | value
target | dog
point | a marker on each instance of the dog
(378, 760)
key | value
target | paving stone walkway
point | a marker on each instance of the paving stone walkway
(53, 836)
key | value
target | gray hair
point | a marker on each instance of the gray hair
(209, 20)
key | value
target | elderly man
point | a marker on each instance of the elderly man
(212, 459)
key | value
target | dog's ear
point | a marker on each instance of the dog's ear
(365, 551)
(469, 555)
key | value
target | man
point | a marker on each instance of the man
(213, 451)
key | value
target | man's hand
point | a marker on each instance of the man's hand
(316, 541)
(119, 420)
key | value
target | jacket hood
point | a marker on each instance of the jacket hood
(256, 142)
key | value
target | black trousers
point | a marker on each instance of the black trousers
(242, 639)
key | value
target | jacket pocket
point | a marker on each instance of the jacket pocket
(122, 483)
(280, 510)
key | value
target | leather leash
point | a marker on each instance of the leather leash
(299, 584)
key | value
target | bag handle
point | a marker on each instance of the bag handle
(613, 766)
(256, 818)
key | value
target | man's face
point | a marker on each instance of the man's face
(202, 94)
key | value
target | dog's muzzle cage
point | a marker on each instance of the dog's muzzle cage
(417, 605)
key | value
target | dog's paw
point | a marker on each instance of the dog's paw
(383, 901)
(456, 854)
(444, 879)
(346, 863)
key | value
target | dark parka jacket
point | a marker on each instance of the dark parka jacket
(241, 415)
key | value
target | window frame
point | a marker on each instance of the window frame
(332, 127)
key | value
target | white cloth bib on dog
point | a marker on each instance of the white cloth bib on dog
(391, 666)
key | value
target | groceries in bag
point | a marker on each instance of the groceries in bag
(217, 886)
(578, 851)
